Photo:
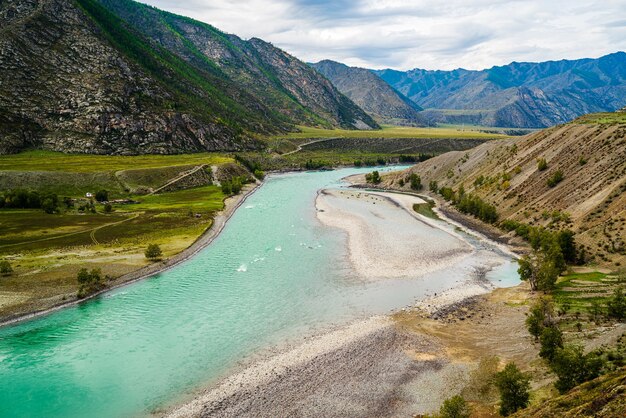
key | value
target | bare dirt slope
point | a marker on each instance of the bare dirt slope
(591, 199)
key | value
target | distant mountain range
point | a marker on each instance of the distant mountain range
(119, 77)
(518, 95)
(371, 93)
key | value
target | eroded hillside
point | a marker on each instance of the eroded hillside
(590, 156)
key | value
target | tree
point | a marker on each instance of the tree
(108, 208)
(83, 276)
(5, 268)
(514, 389)
(455, 407)
(540, 316)
(236, 185)
(568, 245)
(102, 196)
(433, 186)
(540, 269)
(551, 340)
(227, 188)
(616, 306)
(260, 174)
(573, 367)
(153, 252)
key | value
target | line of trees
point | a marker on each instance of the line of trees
(467, 203)
(25, 199)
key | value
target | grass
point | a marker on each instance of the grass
(84, 163)
(426, 209)
(603, 118)
(580, 289)
(389, 131)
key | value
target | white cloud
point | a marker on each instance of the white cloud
(405, 34)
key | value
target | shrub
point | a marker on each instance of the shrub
(90, 281)
(514, 389)
(433, 186)
(108, 208)
(542, 164)
(555, 179)
(236, 185)
(455, 407)
(5, 268)
(153, 252)
(416, 181)
(260, 174)
(373, 177)
(102, 196)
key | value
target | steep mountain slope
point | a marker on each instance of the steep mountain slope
(75, 77)
(274, 77)
(371, 93)
(590, 152)
(524, 95)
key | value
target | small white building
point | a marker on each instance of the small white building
(88, 195)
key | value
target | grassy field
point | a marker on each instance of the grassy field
(603, 118)
(83, 163)
(392, 132)
(47, 250)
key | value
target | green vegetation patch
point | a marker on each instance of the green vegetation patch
(84, 163)
(603, 118)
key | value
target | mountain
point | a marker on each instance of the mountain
(371, 93)
(118, 77)
(590, 154)
(521, 95)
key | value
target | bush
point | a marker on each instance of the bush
(90, 281)
(455, 407)
(102, 196)
(416, 181)
(555, 179)
(5, 268)
(373, 177)
(236, 185)
(108, 208)
(514, 389)
(433, 186)
(153, 252)
(542, 165)
(259, 174)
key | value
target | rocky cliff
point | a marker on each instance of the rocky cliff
(371, 93)
(76, 77)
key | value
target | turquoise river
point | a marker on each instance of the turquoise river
(274, 274)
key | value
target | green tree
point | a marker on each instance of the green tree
(260, 174)
(433, 186)
(5, 268)
(227, 188)
(153, 252)
(455, 407)
(573, 367)
(616, 306)
(102, 195)
(514, 389)
(48, 205)
(108, 208)
(90, 281)
(236, 185)
(540, 316)
(551, 340)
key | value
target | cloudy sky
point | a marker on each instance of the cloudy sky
(430, 34)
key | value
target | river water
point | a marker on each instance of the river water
(275, 273)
